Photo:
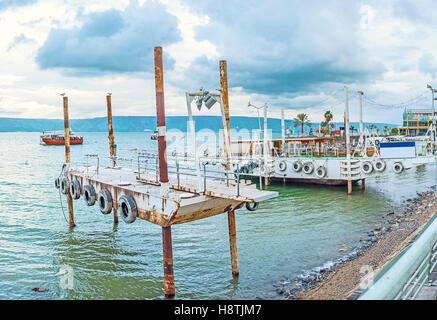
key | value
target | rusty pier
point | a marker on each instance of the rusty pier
(158, 191)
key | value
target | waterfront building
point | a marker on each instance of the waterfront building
(416, 122)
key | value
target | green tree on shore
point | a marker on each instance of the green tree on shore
(301, 120)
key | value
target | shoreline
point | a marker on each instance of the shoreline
(341, 279)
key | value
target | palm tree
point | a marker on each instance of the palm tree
(371, 127)
(386, 129)
(301, 120)
(394, 131)
(328, 117)
(352, 129)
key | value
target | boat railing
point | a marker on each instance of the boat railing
(181, 169)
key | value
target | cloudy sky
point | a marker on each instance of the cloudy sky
(296, 55)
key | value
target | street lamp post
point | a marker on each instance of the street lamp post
(433, 112)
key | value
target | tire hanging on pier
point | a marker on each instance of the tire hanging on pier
(398, 167)
(105, 201)
(75, 189)
(89, 195)
(251, 207)
(65, 184)
(127, 208)
(58, 182)
(367, 167)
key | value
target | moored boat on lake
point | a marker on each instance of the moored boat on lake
(56, 139)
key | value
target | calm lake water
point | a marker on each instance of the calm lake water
(301, 229)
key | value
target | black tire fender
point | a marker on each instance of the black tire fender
(105, 201)
(127, 208)
(75, 189)
(252, 208)
(89, 195)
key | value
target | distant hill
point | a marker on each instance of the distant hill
(141, 123)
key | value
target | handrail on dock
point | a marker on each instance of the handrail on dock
(405, 276)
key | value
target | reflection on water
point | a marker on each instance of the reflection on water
(301, 229)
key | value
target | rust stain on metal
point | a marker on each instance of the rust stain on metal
(225, 97)
(233, 243)
(167, 250)
(160, 116)
(67, 159)
(110, 128)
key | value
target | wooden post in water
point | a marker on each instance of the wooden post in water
(233, 243)
(167, 248)
(67, 158)
(363, 184)
(111, 147)
(225, 97)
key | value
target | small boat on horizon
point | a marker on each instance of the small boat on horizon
(55, 139)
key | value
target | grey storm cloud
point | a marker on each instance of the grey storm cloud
(286, 46)
(5, 4)
(111, 41)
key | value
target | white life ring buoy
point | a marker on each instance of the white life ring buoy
(379, 165)
(366, 167)
(127, 208)
(75, 189)
(105, 201)
(321, 172)
(308, 167)
(398, 167)
(65, 184)
(282, 166)
(296, 166)
(89, 195)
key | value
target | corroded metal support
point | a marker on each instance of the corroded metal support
(363, 184)
(225, 98)
(167, 248)
(67, 159)
(233, 243)
(111, 147)
(110, 130)
(160, 116)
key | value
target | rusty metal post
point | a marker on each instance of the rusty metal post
(110, 130)
(167, 248)
(363, 184)
(160, 116)
(225, 97)
(233, 243)
(67, 159)
(111, 146)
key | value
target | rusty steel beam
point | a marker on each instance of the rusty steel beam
(111, 148)
(167, 248)
(160, 116)
(67, 159)
(225, 98)
(233, 243)
(110, 129)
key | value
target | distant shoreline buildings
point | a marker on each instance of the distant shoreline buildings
(415, 122)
